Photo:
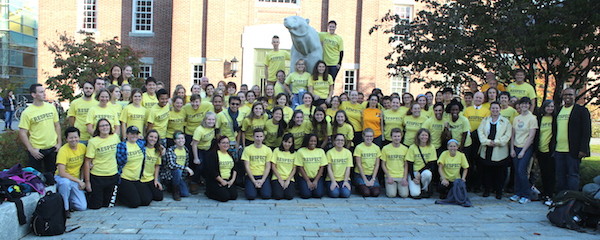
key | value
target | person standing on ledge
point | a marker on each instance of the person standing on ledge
(333, 49)
(275, 61)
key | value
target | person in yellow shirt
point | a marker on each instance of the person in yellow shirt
(151, 170)
(458, 125)
(201, 142)
(284, 169)
(373, 118)
(338, 170)
(296, 82)
(311, 162)
(275, 60)
(68, 168)
(320, 126)
(230, 120)
(412, 122)
(282, 101)
(394, 166)
(353, 111)
(491, 95)
(426, 111)
(298, 127)
(275, 128)
(341, 125)
(307, 107)
(134, 114)
(506, 110)
(450, 163)
(255, 120)
(279, 86)
(158, 116)
(437, 125)
(521, 89)
(194, 114)
(421, 160)
(131, 157)
(366, 157)
(176, 119)
(524, 128)
(321, 83)
(221, 173)
(257, 163)
(102, 111)
(78, 110)
(392, 118)
(333, 49)
(334, 106)
(125, 95)
(149, 98)
(115, 96)
(101, 153)
(544, 152)
(176, 162)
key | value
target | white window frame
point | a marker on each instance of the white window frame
(134, 17)
(400, 83)
(350, 80)
(145, 71)
(198, 74)
(83, 24)
(278, 3)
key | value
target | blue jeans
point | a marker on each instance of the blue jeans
(297, 99)
(252, 192)
(306, 193)
(178, 181)
(522, 185)
(8, 119)
(339, 192)
(333, 71)
(73, 197)
(567, 171)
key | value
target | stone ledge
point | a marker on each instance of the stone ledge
(9, 226)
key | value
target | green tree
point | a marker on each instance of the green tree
(556, 41)
(85, 60)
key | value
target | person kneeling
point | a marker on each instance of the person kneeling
(131, 157)
(220, 172)
(450, 163)
(68, 166)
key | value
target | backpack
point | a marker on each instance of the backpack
(574, 210)
(49, 217)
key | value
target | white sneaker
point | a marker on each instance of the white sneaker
(535, 190)
(548, 202)
(514, 198)
(524, 200)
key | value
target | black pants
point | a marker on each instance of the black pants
(155, 193)
(220, 193)
(443, 190)
(474, 177)
(280, 193)
(170, 142)
(493, 178)
(47, 163)
(358, 139)
(102, 190)
(547, 170)
(133, 194)
(188, 144)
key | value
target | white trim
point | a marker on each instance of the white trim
(193, 72)
(278, 4)
(141, 33)
(80, 16)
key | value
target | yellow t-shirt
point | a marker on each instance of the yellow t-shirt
(562, 130)
(225, 165)
(284, 164)
(204, 136)
(79, 110)
(411, 125)
(413, 155)
(306, 110)
(193, 117)
(436, 128)
(297, 82)
(330, 114)
(153, 159)
(287, 113)
(346, 130)
(96, 113)
(332, 46)
(181, 157)
(176, 122)
(299, 132)
(278, 88)
(248, 126)
(149, 101)
(545, 134)
(271, 138)
(522, 90)
(133, 167)
(392, 119)
(368, 156)
(393, 158)
(258, 157)
(354, 114)
(427, 113)
(451, 165)
(500, 87)
(311, 160)
(275, 60)
(72, 159)
(39, 121)
(320, 87)
(159, 117)
(509, 113)
(116, 107)
(521, 127)
(103, 151)
(475, 116)
(135, 116)
(459, 127)
(372, 119)
(225, 124)
(339, 161)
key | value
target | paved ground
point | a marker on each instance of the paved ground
(197, 217)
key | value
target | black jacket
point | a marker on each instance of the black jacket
(580, 130)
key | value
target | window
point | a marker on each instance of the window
(142, 16)
(400, 83)
(89, 15)
(404, 12)
(350, 80)
(197, 73)
(278, 1)
(145, 71)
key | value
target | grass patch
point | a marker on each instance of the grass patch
(589, 168)
(595, 148)
(13, 151)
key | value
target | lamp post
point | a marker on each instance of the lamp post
(234, 68)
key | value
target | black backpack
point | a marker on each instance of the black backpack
(574, 210)
(49, 217)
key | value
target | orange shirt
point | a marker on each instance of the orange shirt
(486, 86)
(372, 119)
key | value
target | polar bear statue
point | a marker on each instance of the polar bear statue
(305, 41)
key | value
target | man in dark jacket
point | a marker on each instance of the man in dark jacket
(572, 128)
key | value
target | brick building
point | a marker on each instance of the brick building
(183, 40)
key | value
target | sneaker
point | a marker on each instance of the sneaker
(548, 202)
(524, 200)
(514, 198)
(535, 190)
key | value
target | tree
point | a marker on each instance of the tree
(85, 60)
(555, 41)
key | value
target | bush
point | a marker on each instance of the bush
(595, 129)
(13, 151)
